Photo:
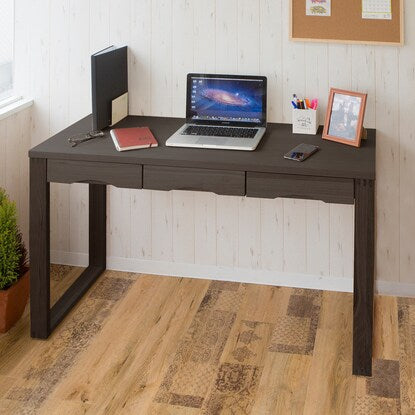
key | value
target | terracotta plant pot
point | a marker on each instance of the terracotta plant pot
(13, 302)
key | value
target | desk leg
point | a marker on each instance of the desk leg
(364, 263)
(97, 255)
(98, 225)
(39, 249)
(44, 319)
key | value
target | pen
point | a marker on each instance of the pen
(294, 105)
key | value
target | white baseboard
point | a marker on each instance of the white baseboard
(257, 276)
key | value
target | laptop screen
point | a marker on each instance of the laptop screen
(226, 100)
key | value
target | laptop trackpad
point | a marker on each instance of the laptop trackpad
(211, 141)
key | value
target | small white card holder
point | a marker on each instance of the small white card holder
(305, 121)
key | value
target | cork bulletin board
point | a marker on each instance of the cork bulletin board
(346, 25)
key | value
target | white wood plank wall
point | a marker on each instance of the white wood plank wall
(14, 164)
(167, 39)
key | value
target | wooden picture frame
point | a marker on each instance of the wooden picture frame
(344, 122)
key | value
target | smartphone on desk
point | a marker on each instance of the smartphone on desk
(301, 152)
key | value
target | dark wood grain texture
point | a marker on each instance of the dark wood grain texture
(73, 294)
(221, 182)
(97, 254)
(364, 262)
(333, 160)
(330, 190)
(116, 174)
(39, 249)
(337, 173)
(98, 226)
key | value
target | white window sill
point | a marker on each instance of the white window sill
(14, 105)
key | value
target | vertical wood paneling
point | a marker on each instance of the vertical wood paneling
(407, 152)
(204, 35)
(272, 234)
(161, 226)
(161, 57)
(119, 220)
(270, 46)
(295, 241)
(140, 57)
(182, 53)
(100, 23)
(318, 237)
(293, 72)
(183, 226)
(293, 64)
(227, 231)
(120, 199)
(182, 63)
(13, 157)
(59, 117)
(248, 63)
(249, 246)
(39, 56)
(79, 106)
(248, 41)
(205, 228)
(341, 216)
(166, 40)
(363, 68)
(341, 252)
(226, 39)
(387, 183)
(317, 77)
(23, 145)
(226, 52)
(317, 213)
(141, 208)
(340, 66)
(15, 142)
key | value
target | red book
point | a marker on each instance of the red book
(133, 138)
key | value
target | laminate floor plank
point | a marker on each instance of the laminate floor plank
(143, 344)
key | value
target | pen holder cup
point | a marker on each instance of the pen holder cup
(305, 121)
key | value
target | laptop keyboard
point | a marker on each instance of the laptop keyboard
(220, 131)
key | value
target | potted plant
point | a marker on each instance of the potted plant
(14, 271)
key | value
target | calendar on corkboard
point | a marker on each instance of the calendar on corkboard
(351, 21)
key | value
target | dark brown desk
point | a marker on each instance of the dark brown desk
(337, 174)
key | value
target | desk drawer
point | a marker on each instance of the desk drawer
(116, 174)
(182, 178)
(327, 189)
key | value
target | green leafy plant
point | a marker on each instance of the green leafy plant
(12, 250)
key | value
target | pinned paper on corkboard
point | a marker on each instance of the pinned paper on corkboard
(377, 9)
(318, 8)
(362, 21)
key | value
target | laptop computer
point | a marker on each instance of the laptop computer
(223, 112)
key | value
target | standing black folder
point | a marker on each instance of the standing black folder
(109, 75)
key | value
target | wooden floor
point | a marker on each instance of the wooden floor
(140, 344)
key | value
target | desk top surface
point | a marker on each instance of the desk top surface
(333, 160)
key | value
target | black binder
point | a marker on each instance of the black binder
(109, 75)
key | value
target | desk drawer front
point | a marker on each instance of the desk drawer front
(116, 174)
(330, 190)
(181, 178)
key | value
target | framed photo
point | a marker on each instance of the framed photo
(344, 118)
